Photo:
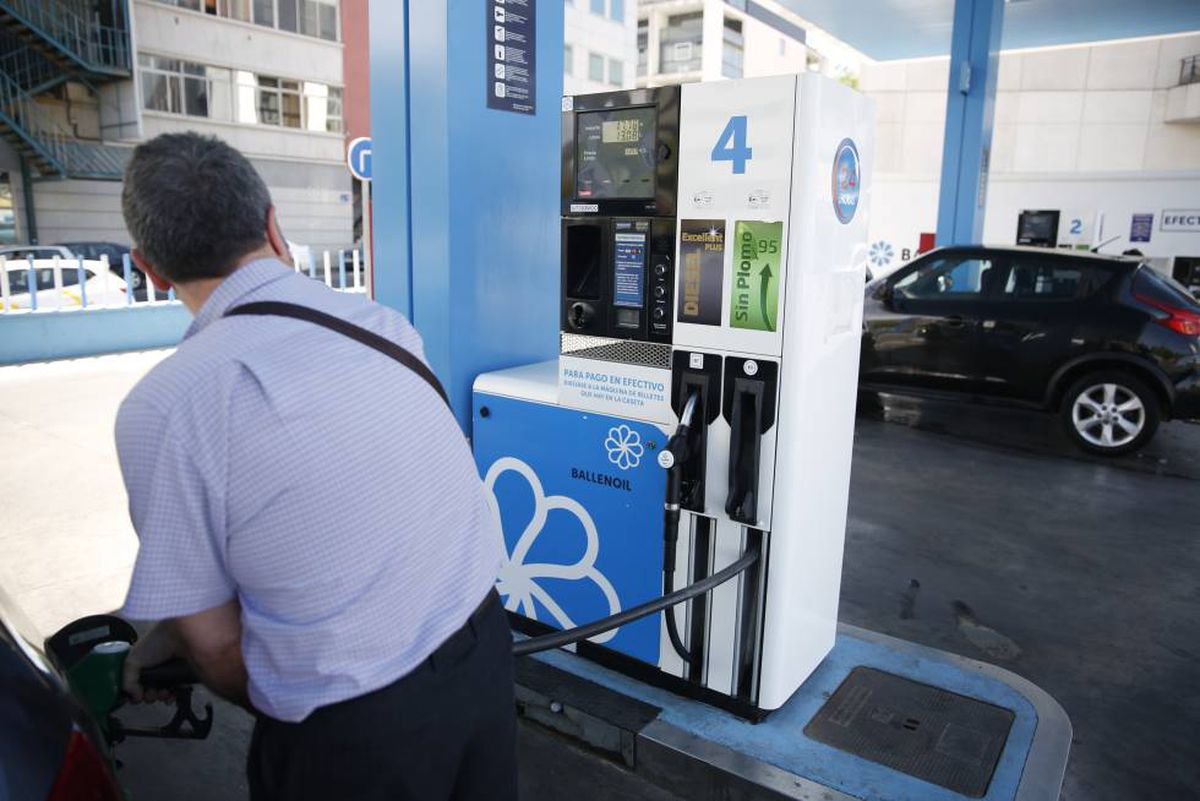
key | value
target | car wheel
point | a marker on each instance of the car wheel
(1110, 413)
(136, 279)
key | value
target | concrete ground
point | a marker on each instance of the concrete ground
(977, 531)
(67, 542)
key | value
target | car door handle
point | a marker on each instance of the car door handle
(955, 321)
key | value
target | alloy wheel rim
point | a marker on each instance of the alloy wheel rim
(1108, 415)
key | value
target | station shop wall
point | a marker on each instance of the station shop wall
(1083, 129)
(1104, 205)
(314, 202)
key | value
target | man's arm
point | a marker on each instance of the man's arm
(210, 640)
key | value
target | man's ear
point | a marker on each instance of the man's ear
(275, 237)
(160, 283)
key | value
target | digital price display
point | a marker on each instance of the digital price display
(615, 154)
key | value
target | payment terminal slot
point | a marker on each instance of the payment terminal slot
(618, 277)
(584, 276)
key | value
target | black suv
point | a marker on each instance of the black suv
(1108, 343)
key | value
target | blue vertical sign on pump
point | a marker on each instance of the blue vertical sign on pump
(570, 490)
(511, 60)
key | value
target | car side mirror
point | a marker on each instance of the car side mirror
(885, 294)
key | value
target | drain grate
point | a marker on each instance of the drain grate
(937, 736)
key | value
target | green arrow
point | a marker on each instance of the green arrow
(765, 274)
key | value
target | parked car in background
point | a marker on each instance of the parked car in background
(116, 255)
(80, 281)
(83, 250)
(1108, 343)
(49, 746)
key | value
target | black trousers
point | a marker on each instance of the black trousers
(447, 730)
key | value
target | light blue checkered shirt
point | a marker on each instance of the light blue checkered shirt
(317, 480)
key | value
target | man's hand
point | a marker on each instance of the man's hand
(211, 641)
(158, 645)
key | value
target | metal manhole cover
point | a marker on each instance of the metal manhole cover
(938, 736)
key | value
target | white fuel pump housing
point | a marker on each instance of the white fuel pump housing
(730, 229)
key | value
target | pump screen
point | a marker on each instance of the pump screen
(629, 269)
(614, 154)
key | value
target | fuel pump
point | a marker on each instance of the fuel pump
(672, 489)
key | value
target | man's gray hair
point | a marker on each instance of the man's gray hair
(193, 205)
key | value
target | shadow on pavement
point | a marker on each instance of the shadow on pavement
(1174, 451)
(981, 532)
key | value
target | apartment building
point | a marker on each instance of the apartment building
(264, 75)
(599, 45)
(679, 41)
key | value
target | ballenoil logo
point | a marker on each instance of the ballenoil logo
(624, 446)
(846, 176)
(520, 580)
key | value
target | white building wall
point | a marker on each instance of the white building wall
(1083, 129)
(769, 52)
(314, 209)
(587, 33)
(303, 169)
(195, 36)
(766, 50)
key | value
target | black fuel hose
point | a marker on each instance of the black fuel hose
(677, 446)
(545, 642)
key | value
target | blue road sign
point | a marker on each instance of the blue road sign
(358, 158)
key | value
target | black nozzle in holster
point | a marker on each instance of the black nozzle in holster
(749, 407)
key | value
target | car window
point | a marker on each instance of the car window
(70, 276)
(18, 281)
(1161, 288)
(947, 277)
(1032, 279)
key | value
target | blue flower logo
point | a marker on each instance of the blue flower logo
(520, 581)
(881, 254)
(624, 446)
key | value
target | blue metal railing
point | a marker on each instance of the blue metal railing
(75, 29)
(27, 66)
(56, 151)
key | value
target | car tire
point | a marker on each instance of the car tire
(137, 280)
(869, 404)
(1110, 412)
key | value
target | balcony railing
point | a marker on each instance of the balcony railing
(27, 66)
(76, 30)
(55, 151)
(1189, 70)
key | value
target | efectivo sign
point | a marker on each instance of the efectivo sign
(1180, 220)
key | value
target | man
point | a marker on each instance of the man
(314, 538)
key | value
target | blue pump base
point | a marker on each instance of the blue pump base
(617, 732)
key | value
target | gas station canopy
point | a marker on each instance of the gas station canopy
(893, 29)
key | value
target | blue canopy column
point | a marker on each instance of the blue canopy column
(974, 63)
(466, 196)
